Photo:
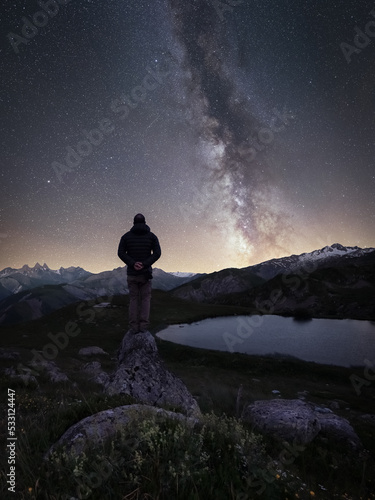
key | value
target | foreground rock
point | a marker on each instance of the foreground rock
(142, 375)
(299, 421)
(96, 429)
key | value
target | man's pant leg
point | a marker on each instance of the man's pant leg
(139, 302)
(145, 299)
(133, 286)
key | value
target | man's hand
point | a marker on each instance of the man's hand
(138, 266)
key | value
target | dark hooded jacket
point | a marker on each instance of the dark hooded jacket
(139, 245)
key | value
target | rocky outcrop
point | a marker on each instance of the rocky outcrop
(96, 429)
(142, 375)
(299, 421)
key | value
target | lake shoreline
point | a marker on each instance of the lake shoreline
(324, 341)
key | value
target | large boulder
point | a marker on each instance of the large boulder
(292, 420)
(142, 375)
(299, 421)
(95, 430)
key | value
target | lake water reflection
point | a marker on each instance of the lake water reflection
(327, 341)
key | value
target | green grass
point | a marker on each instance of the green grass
(168, 464)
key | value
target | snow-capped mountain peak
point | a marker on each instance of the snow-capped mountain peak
(307, 261)
(17, 280)
(181, 274)
(38, 267)
(28, 271)
(336, 250)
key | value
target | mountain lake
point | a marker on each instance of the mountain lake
(344, 342)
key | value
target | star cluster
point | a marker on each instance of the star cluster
(242, 130)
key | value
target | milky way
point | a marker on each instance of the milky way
(240, 191)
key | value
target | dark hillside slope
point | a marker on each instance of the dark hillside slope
(207, 287)
(344, 291)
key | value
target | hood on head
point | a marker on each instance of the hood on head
(140, 228)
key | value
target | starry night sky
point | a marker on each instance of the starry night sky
(242, 130)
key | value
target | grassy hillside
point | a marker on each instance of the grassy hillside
(105, 326)
(222, 383)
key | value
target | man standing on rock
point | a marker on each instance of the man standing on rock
(139, 248)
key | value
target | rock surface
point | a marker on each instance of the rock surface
(285, 419)
(95, 372)
(338, 429)
(368, 418)
(97, 428)
(23, 375)
(92, 351)
(50, 369)
(8, 354)
(142, 375)
(299, 421)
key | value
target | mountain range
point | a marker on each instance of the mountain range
(232, 280)
(31, 292)
(333, 281)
